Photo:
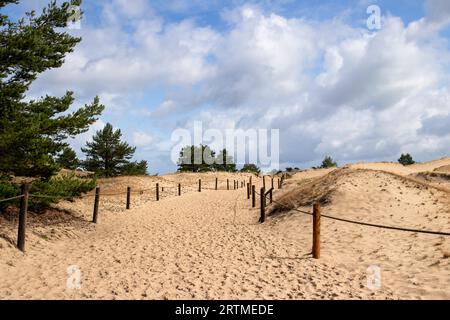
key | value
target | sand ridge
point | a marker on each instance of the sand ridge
(415, 266)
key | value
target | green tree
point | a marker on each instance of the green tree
(225, 162)
(107, 155)
(406, 159)
(196, 159)
(328, 162)
(252, 168)
(67, 159)
(33, 132)
(136, 168)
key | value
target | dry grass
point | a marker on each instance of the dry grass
(306, 192)
(444, 169)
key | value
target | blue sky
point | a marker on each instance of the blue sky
(311, 69)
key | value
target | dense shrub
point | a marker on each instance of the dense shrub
(59, 188)
(406, 159)
(251, 168)
(135, 169)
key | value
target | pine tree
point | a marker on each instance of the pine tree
(32, 133)
(107, 155)
(68, 159)
(328, 162)
(225, 162)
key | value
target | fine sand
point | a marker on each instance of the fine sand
(209, 245)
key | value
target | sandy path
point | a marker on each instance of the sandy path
(200, 246)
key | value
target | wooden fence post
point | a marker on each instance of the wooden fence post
(264, 182)
(248, 191)
(200, 185)
(228, 184)
(217, 183)
(271, 195)
(253, 196)
(128, 197)
(157, 192)
(263, 206)
(234, 184)
(96, 203)
(316, 232)
(179, 189)
(272, 182)
(23, 217)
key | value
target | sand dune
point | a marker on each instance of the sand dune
(413, 265)
(397, 168)
(209, 245)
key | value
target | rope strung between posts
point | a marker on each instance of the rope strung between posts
(214, 189)
(40, 196)
(11, 199)
(366, 223)
(161, 192)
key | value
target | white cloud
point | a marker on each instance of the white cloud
(143, 140)
(331, 88)
(369, 99)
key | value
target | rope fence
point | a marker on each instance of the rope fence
(163, 189)
(371, 224)
(316, 214)
(158, 190)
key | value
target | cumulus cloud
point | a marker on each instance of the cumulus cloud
(361, 95)
(330, 87)
(118, 58)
